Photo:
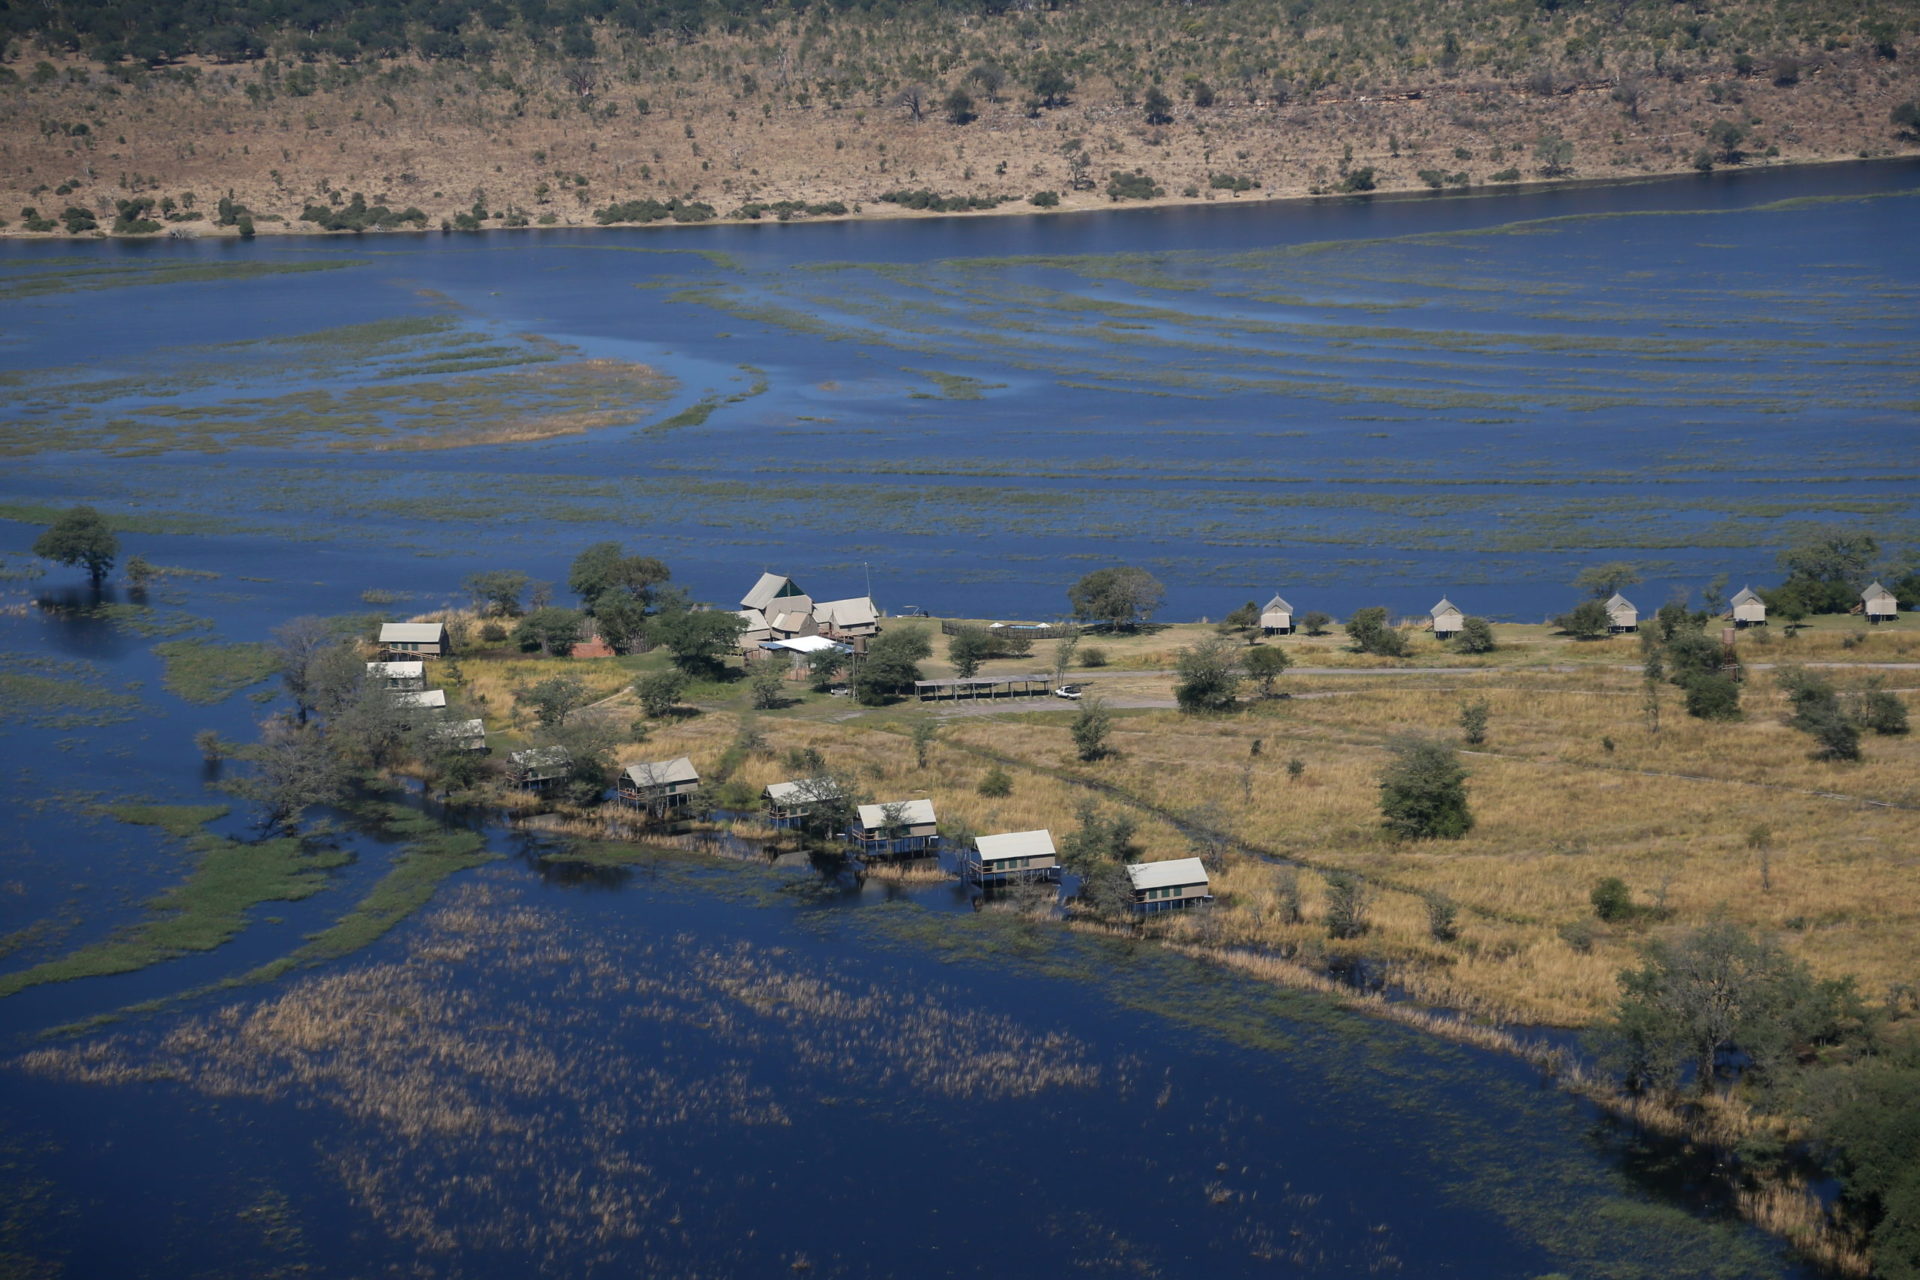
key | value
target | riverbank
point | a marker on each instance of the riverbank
(463, 145)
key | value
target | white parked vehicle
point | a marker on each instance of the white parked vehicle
(1069, 691)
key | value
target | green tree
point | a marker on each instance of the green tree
(496, 592)
(1052, 87)
(605, 568)
(296, 646)
(1700, 996)
(1159, 107)
(959, 106)
(1349, 902)
(1554, 153)
(1090, 729)
(1473, 721)
(1829, 568)
(1870, 1119)
(1264, 665)
(1907, 117)
(549, 630)
(661, 691)
(967, 648)
(554, 699)
(1476, 636)
(1316, 623)
(1712, 695)
(1122, 597)
(1612, 900)
(698, 640)
(996, 784)
(1243, 621)
(1107, 891)
(766, 686)
(621, 620)
(1368, 630)
(1587, 620)
(294, 769)
(80, 536)
(1727, 136)
(1099, 840)
(1209, 675)
(824, 666)
(925, 732)
(1602, 580)
(892, 664)
(1423, 792)
(1879, 709)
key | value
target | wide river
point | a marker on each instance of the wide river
(692, 1066)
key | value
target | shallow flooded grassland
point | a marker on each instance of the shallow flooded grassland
(528, 1077)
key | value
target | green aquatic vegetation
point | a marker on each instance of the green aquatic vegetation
(207, 671)
(416, 874)
(179, 820)
(229, 879)
(59, 694)
(132, 521)
(147, 622)
(32, 283)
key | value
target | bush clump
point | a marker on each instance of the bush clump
(934, 202)
(355, 215)
(651, 210)
(1132, 186)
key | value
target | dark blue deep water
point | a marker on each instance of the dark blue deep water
(690, 1067)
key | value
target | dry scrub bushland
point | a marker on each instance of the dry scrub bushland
(818, 109)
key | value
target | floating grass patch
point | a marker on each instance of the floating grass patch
(229, 878)
(417, 872)
(38, 283)
(52, 693)
(208, 671)
(178, 820)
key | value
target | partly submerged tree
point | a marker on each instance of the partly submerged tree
(80, 536)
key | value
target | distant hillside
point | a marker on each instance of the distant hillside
(538, 112)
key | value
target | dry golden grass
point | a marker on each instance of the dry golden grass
(1697, 818)
(1676, 815)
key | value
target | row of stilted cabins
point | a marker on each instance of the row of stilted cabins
(405, 681)
(1745, 609)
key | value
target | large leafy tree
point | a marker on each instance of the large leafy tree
(1122, 596)
(698, 640)
(892, 664)
(80, 536)
(1828, 569)
(604, 569)
(1210, 675)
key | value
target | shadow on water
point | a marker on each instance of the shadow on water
(76, 627)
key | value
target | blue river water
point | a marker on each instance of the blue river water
(690, 1067)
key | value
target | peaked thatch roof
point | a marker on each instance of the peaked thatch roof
(770, 587)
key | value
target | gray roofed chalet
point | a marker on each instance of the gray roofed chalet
(1276, 618)
(1447, 618)
(414, 639)
(1748, 609)
(1879, 604)
(1621, 615)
